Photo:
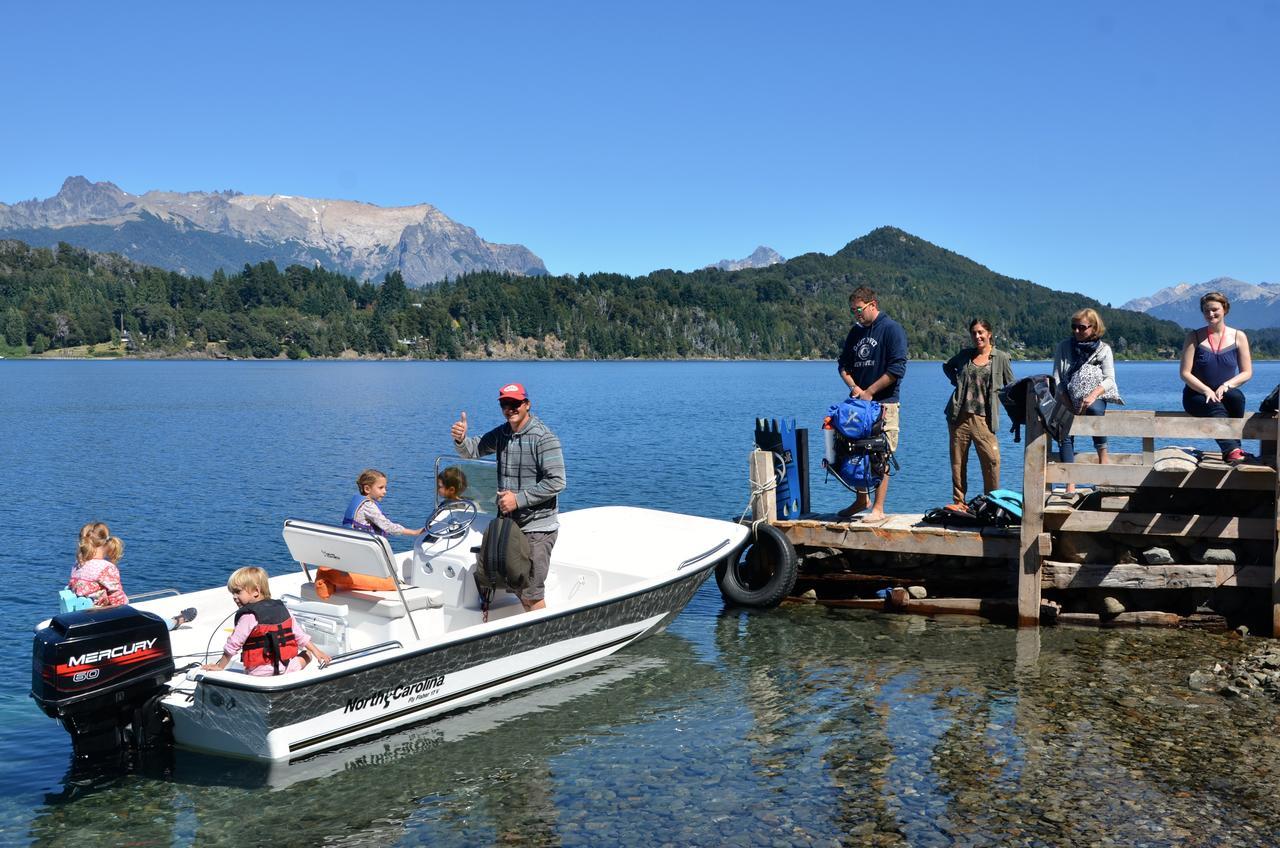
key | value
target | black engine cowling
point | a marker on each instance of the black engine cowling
(102, 674)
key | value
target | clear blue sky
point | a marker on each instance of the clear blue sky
(1103, 147)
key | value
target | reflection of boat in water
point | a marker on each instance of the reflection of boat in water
(618, 574)
(478, 761)
(406, 745)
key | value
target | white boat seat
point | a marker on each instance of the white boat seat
(384, 604)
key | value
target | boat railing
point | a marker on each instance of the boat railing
(154, 593)
(699, 557)
(365, 652)
(1040, 519)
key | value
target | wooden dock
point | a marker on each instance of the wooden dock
(1064, 542)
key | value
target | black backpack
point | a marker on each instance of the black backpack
(995, 509)
(504, 560)
(1056, 416)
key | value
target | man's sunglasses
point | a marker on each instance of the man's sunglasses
(510, 404)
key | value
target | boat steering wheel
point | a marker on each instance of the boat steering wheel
(451, 520)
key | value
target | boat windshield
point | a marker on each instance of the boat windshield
(477, 479)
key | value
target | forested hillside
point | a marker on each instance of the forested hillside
(52, 299)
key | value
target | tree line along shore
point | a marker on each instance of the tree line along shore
(70, 302)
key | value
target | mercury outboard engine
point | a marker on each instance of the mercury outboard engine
(102, 674)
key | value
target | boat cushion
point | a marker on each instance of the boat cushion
(384, 604)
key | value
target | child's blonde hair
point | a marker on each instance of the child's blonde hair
(96, 535)
(250, 577)
(367, 478)
(454, 480)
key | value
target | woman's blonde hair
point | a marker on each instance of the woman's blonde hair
(250, 577)
(1091, 315)
(1215, 297)
(453, 479)
(96, 535)
(367, 478)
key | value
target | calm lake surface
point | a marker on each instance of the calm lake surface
(799, 726)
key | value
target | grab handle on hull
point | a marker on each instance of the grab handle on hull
(364, 652)
(154, 593)
(701, 556)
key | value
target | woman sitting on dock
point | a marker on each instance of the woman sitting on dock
(1215, 363)
(973, 412)
(1085, 373)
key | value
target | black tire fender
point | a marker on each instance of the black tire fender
(762, 573)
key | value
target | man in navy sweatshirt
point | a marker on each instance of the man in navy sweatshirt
(872, 365)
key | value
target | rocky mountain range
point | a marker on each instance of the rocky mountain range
(1253, 307)
(761, 257)
(199, 232)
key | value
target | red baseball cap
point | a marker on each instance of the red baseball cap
(514, 391)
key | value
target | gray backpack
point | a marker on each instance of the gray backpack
(504, 560)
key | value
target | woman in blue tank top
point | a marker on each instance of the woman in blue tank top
(1215, 363)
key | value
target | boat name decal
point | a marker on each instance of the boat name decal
(329, 555)
(111, 653)
(413, 691)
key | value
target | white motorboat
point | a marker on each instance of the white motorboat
(118, 677)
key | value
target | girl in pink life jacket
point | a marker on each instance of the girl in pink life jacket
(96, 575)
(267, 638)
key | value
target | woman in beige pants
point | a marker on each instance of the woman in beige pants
(973, 412)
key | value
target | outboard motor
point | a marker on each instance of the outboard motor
(102, 674)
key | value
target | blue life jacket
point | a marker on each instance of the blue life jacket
(349, 519)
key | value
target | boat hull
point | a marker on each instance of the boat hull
(291, 719)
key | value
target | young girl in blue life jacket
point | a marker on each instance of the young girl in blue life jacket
(363, 514)
(267, 638)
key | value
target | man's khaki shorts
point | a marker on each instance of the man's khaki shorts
(890, 411)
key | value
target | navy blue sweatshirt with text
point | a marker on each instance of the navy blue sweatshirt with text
(872, 351)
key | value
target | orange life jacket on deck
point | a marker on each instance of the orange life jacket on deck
(271, 641)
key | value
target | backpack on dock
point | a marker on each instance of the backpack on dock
(997, 508)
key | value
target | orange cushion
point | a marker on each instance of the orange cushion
(330, 580)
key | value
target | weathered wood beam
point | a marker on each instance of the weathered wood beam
(1067, 575)
(1160, 524)
(1034, 459)
(764, 496)
(1275, 542)
(1172, 425)
(1253, 478)
(1124, 619)
(902, 537)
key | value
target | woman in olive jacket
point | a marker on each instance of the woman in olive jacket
(973, 412)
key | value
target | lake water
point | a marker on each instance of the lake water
(798, 726)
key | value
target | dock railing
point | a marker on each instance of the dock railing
(1138, 471)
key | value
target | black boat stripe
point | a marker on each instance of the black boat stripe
(371, 723)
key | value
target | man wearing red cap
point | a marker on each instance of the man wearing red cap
(530, 476)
